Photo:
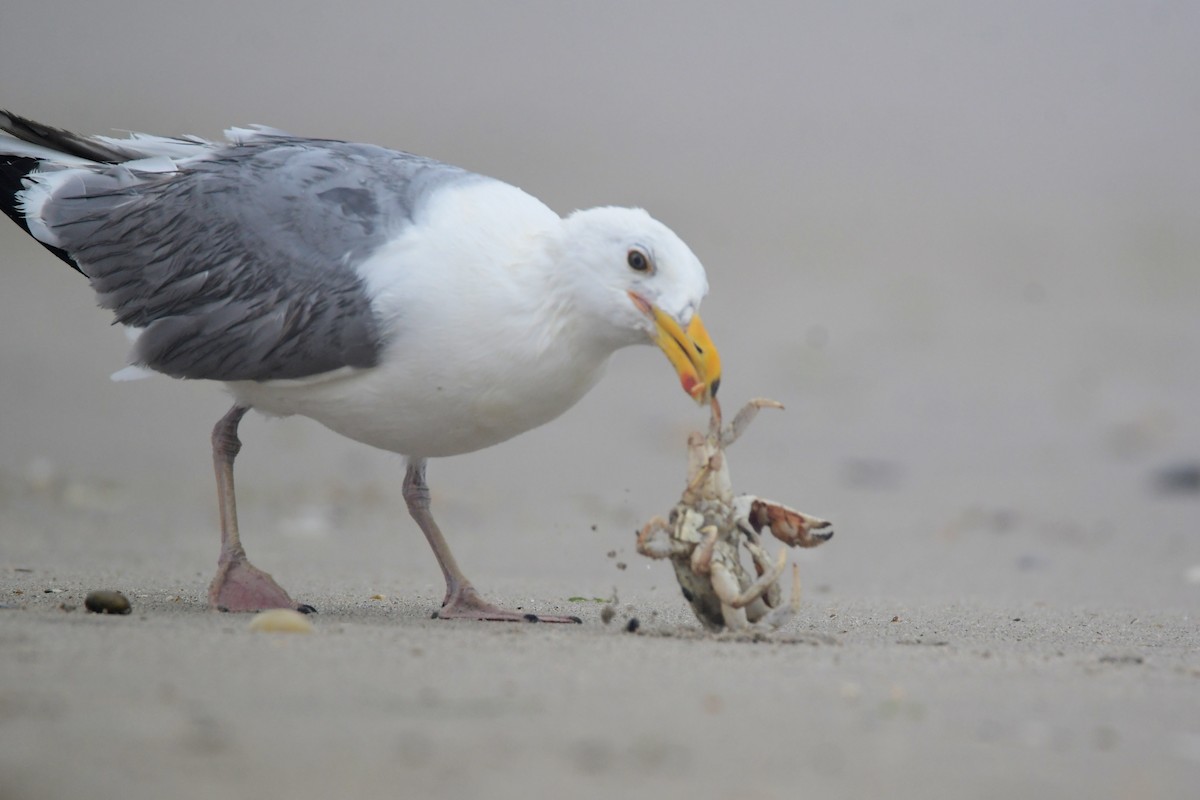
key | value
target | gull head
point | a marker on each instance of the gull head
(640, 282)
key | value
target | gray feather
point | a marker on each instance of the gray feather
(240, 266)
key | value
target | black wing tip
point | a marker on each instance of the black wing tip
(10, 122)
(13, 169)
(61, 139)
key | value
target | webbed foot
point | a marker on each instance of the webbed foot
(465, 603)
(241, 586)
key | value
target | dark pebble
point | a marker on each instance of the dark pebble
(103, 601)
(632, 625)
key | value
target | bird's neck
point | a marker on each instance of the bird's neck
(572, 306)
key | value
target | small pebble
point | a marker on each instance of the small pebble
(105, 601)
(607, 613)
(379, 597)
(280, 620)
(632, 625)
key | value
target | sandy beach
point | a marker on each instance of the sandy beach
(961, 246)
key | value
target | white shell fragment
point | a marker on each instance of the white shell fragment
(280, 620)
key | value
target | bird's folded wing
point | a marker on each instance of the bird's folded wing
(236, 262)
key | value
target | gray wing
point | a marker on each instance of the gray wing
(241, 265)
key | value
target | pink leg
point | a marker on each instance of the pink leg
(238, 584)
(461, 601)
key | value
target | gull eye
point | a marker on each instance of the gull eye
(638, 260)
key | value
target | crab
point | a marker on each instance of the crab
(706, 530)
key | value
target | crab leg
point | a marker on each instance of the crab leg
(649, 543)
(725, 584)
(702, 555)
(744, 418)
(764, 582)
(700, 467)
(781, 615)
(714, 418)
(763, 565)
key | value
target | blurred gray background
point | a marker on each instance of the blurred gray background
(961, 242)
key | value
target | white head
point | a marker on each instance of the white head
(634, 275)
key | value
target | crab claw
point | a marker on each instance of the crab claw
(788, 525)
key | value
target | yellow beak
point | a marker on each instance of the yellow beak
(691, 352)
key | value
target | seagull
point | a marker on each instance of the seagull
(407, 304)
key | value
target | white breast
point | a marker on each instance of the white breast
(481, 345)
